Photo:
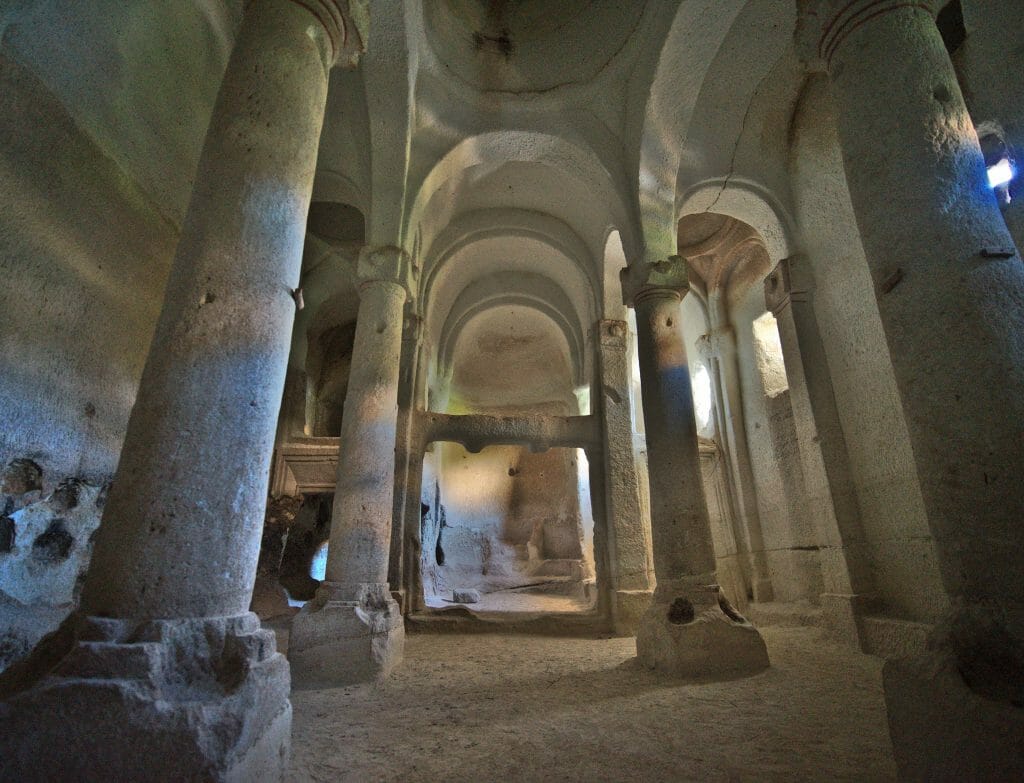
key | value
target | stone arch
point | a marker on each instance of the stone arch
(562, 160)
(700, 152)
(683, 63)
(533, 292)
(509, 257)
(748, 202)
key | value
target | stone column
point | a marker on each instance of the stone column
(949, 286)
(845, 560)
(626, 538)
(353, 631)
(164, 673)
(689, 628)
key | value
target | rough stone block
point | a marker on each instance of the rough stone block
(466, 596)
(336, 643)
(694, 635)
(202, 703)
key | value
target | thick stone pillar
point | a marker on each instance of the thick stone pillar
(689, 628)
(950, 287)
(352, 630)
(164, 674)
(845, 560)
(629, 569)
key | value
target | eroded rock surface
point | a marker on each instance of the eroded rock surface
(45, 545)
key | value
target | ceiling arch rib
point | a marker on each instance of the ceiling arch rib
(507, 289)
(687, 54)
(499, 264)
(512, 358)
(748, 202)
(521, 170)
(508, 224)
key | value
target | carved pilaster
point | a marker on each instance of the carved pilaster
(788, 282)
(713, 344)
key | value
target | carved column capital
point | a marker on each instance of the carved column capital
(346, 24)
(668, 277)
(823, 25)
(386, 264)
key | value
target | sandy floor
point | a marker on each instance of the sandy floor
(525, 708)
(509, 601)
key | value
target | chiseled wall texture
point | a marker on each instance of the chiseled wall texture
(103, 110)
(869, 406)
(83, 256)
(83, 259)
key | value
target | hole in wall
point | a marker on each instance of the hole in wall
(514, 525)
(21, 476)
(681, 612)
(438, 548)
(7, 535)
(701, 383)
(54, 545)
(66, 495)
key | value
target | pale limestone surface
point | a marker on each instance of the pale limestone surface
(521, 154)
(518, 708)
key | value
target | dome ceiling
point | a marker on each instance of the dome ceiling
(528, 45)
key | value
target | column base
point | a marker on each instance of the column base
(342, 642)
(628, 608)
(942, 730)
(193, 699)
(692, 631)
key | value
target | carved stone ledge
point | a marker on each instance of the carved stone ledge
(669, 277)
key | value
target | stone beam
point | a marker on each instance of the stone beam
(540, 433)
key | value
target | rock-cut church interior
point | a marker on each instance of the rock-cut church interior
(472, 390)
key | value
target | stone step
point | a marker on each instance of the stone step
(113, 661)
